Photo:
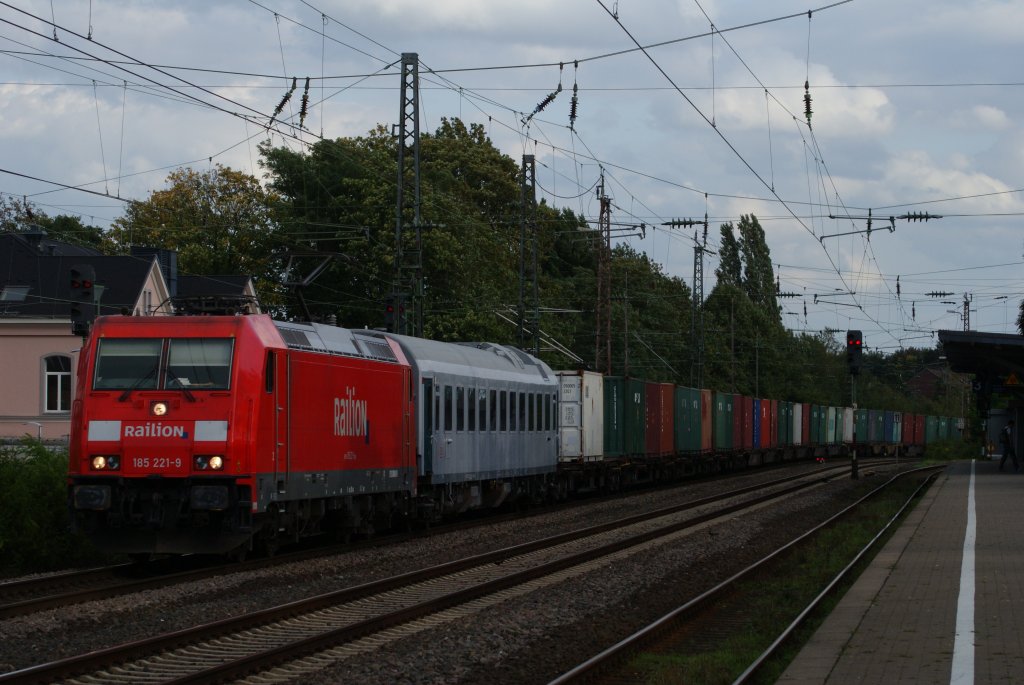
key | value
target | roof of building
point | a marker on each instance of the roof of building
(35, 278)
(35, 243)
(41, 288)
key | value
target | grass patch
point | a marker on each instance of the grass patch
(765, 605)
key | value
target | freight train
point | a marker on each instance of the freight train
(221, 434)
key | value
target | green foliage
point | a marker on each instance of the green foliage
(219, 221)
(34, 524)
(15, 214)
(337, 200)
(19, 215)
(730, 268)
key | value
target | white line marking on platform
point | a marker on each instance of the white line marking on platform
(963, 646)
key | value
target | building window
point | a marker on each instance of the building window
(58, 384)
(14, 293)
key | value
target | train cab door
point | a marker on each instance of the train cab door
(430, 407)
(282, 406)
(408, 425)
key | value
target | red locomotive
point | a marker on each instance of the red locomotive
(204, 434)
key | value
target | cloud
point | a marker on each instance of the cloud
(916, 175)
(991, 117)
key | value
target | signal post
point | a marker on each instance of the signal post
(854, 347)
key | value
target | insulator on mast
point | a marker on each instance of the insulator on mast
(807, 102)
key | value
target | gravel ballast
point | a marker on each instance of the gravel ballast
(527, 639)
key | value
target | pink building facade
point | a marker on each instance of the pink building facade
(38, 366)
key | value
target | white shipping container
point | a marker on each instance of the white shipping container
(847, 425)
(580, 415)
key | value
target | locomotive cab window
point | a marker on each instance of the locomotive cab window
(127, 363)
(147, 364)
(203, 363)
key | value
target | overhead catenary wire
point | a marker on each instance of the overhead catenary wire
(811, 200)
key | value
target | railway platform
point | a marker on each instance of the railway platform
(943, 602)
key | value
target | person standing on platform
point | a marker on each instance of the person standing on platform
(1006, 438)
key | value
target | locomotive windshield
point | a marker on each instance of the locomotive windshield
(173, 364)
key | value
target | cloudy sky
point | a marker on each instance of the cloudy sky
(916, 108)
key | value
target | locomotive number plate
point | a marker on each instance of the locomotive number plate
(157, 462)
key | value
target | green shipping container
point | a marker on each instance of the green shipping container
(931, 429)
(636, 411)
(614, 417)
(785, 420)
(943, 427)
(815, 427)
(860, 425)
(686, 410)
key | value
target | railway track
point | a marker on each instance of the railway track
(22, 597)
(284, 642)
(610, 666)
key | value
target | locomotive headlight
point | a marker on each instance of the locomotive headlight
(204, 462)
(105, 462)
(158, 408)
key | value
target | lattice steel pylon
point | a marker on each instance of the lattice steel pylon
(697, 314)
(528, 226)
(603, 323)
(408, 280)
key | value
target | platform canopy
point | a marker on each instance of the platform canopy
(995, 359)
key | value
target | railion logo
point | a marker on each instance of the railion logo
(154, 430)
(350, 415)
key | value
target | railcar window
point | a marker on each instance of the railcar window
(482, 408)
(471, 406)
(492, 411)
(531, 408)
(448, 407)
(522, 411)
(203, 363)
(437, 408)
(460, 409)
(512, 403)
(503, 411)
(123, 364)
